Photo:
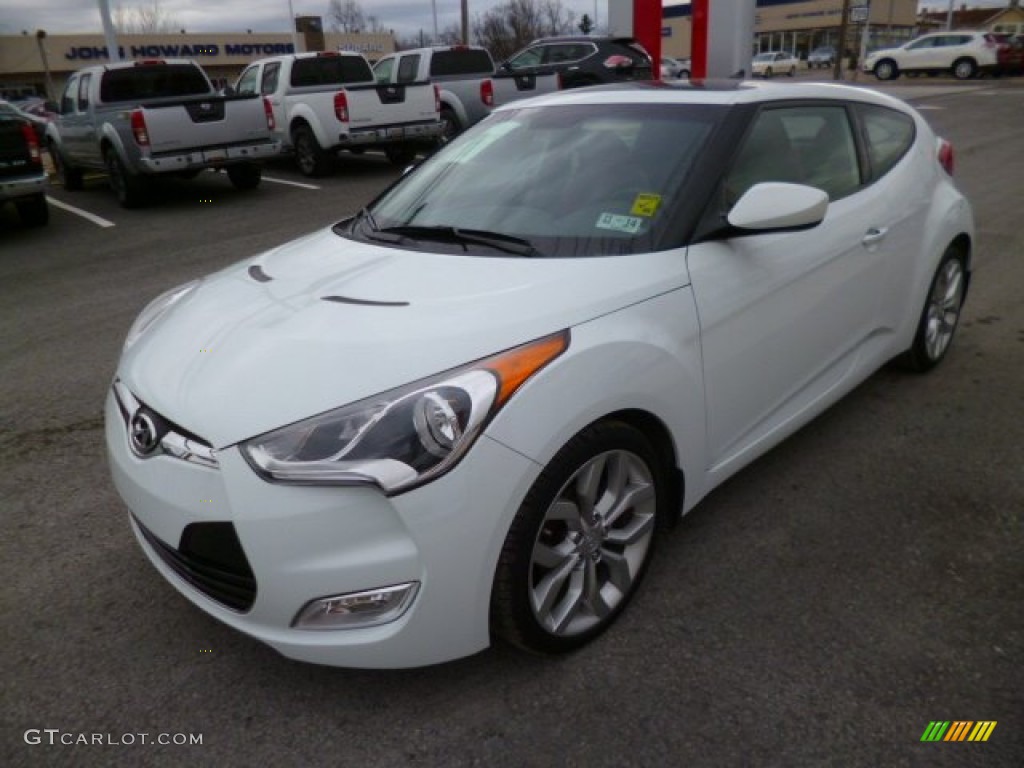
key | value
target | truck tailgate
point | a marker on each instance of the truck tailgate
(371, 104)
(206, 122)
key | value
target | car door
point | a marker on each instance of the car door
(785, 315)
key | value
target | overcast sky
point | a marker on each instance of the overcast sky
(406, 17)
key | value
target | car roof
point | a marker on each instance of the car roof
(712, 92)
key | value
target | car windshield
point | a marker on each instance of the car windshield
(556, 181)
(764, 57)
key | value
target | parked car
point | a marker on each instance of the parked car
(38, 123)
(583, 61)
(467, 411)
(771, 63)
(823, 57)
(685, 68)
(963, 54)
(328, 101)
(1009, 54)
(140, 120)
(669, 68)
(23, 179)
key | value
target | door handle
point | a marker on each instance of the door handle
(874, 236)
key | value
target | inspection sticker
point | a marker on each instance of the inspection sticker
(645, 204)
(630, 224)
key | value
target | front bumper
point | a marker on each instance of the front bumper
(22, 186)
(304, 543)
(210, 157)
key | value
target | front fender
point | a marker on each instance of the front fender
(645, 358)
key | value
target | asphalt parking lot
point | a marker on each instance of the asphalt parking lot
(820, 608)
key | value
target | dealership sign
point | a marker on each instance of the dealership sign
(93, 52)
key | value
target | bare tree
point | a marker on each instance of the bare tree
(450, 35)
(374, 25)
(346, 16)
(510, 26)
(147, 19)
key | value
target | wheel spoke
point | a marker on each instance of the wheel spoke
(569, 608)
(592, 590)
(639, 527)
(634, 496)
(566, 512)
(546, 593)
(549, 557)
(588, 481)
(619, 573)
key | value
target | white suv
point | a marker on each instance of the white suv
(965, 54)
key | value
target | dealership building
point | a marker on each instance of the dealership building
(800, 26)
(39, 63)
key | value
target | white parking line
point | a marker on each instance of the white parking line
(79, 212)
(928, 106)
(290, 183)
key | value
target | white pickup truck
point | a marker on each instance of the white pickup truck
(146, 118)
(468, 85)
(328, 101)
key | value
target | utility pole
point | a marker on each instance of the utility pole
(113, 51)
(465, 22)
(40, 36)
(837, 68)
(949, 16)
(433, 3)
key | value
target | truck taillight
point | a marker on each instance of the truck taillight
(32, 142)
(487, 92)
(946, 157)
(437, 99)
(269, 112)
(341, 106)
(139, 128)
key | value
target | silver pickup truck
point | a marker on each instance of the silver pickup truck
(141, 119)
(466, 80)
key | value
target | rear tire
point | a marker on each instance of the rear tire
(401, 154)
(450, 127)
(69, 177)
(34, 211)
(768, 72)
(940, 316)
(245, 176)
(311, 158)
(129, 189)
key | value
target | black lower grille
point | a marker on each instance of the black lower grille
(211, 559)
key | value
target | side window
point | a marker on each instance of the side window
(83, 92)
(67, 99)
(247, 82)
(889, 137)
(531, 57)
(383, 69)
(407, 68)
(928, 42)
(798, 145)
(271, 73)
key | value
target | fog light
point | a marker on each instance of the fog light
(357, 609)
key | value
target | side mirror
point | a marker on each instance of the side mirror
(774, 205)
(229, 90)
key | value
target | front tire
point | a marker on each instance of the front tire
(886, 69)
(245, 176)
(312, 160)
(768, 72)
(941, 314)
(964, 69)
(581, 541)
(130, 190)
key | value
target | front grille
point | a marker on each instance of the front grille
(211, 559)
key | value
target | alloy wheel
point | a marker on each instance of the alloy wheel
(943, 310)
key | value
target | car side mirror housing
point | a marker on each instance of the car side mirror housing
(772, 206)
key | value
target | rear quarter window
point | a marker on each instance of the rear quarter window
(152, 81)
(330, 70)
(465, 62)
(889, 134)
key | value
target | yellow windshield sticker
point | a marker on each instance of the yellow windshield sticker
(645, 204)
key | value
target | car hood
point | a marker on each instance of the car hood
(324, 321)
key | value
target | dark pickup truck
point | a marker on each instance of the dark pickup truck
(22, 177)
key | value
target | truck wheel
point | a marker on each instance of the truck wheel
(245, 175)
(34, 211)
(401, 154)
(129, 190)
(450, 127)
(309, 155)
(70, 178)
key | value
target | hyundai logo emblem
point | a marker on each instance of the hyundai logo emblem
(143, 434)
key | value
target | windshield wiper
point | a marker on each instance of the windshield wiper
(365, 215)
(517, 246)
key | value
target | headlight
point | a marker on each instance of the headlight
(155, 309)
(405, 437)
